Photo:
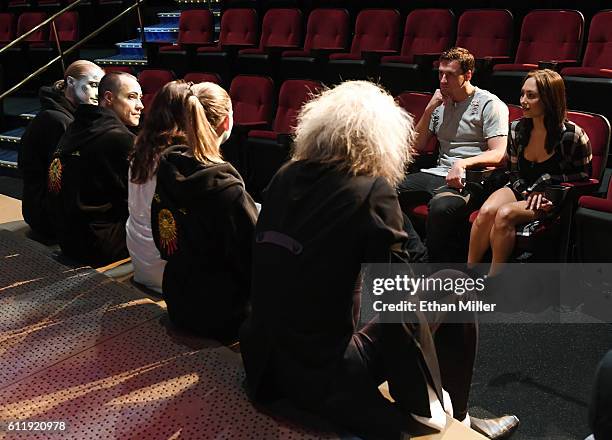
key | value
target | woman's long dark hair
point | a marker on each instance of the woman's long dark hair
(551, 89)
(164, 125)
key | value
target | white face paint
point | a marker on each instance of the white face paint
(86, 87)
(227, 133)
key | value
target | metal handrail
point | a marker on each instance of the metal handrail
(40, 25)
(76, 46)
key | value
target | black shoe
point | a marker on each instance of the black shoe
(499, 428)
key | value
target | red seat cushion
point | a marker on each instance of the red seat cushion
(590, 202)
(515, 67)
(473, 216)
(264, 134)
(591, 72)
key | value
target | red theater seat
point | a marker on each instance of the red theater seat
(540, 41)
(427, 33)
(196, 28)
(327, 31)
(29, 20)
(267, 150)
(252, 100)
(376, 33)
(239, 29)
(593, 221)
(415, 103)
(485, 32)
(252, 103)
(7, 28)
(594, 77)
(151, 80)
(281, 30)
(198, 77)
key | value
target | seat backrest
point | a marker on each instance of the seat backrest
(281, 27)
(67, 26)
(7, 27)
(597, 128)
(151, 80)
(514, 112)
(550, 35)
(198, 77)
(376, 29)
(27, 21)
(599, 46)
(238, 26)
(252, 98)
(327, 28)
(196, 26)
(415, 103)
(428, 31)
(485, 32)
(292, 96)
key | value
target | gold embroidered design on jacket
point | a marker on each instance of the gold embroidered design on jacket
(55, 176)
(167, 231)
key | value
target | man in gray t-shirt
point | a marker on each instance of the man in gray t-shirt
(471, 125)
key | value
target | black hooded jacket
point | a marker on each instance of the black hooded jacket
(88, 184)
(37, 146)
(203, 222)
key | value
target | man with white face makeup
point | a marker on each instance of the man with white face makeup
(89, 172)
(58, 104)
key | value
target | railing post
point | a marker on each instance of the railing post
(142, 32)
(59, 47)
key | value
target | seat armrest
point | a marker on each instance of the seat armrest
(232, 49)
(323, 53)
(557, 65)
(486, 64)
(245, 127)
(374, 56)
(425, 60)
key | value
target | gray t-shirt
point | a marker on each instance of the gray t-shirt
(463, 128)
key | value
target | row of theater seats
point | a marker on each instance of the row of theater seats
(261, 140)
(379, 49)
(12, 26)
(33, 4)
(39, 47)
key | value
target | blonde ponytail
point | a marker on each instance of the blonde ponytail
(202, 137)
(208, 108)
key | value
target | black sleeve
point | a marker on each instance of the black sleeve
(40, 140)
(384, 234)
